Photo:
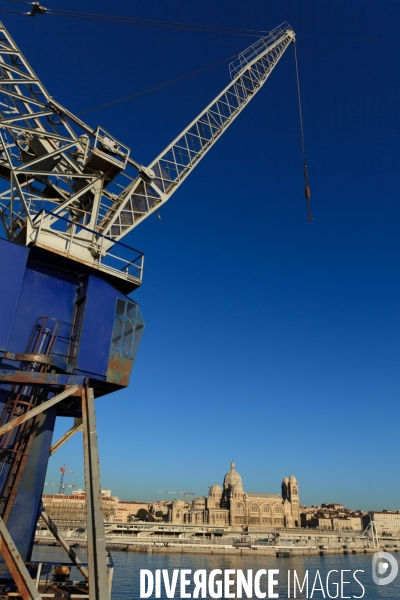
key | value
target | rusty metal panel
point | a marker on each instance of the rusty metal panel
(119, 370)
(30, 377)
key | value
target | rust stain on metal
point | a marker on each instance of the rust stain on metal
(119, 370)
(39, 358)
(77, 392)
(31, 377)
(16, 566)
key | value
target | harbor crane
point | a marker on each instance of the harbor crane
(69, 332)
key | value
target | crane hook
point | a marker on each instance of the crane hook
(307, 193)
(307, 190)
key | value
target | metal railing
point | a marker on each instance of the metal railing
(55, 339)
(163, 540)
(80, 237)
(248, 55)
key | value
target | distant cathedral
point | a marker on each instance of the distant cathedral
(231, 505)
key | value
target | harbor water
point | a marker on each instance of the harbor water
(126, 585)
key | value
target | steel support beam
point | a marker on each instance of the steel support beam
(67, 436)
(52, 527)
(96, 546)
(15, 564)
(32, 378)
(38, 409)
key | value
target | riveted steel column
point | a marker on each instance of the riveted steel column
(16, 565)
(96, 547)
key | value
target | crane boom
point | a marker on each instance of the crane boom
(169, 170)
(75, 191)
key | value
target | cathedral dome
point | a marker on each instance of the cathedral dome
(238, 488)
(178, 502)
(215, 489)
(293, 479)
(198, 502)
(232, 478)
(285, 480)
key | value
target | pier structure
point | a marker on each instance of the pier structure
(164, 537)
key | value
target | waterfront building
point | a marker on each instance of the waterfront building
(331, 517)
(232, 505)
(129, 509)
(319, 522)
(386, 521)
(333, 523)
(61, 507)
(354, 523)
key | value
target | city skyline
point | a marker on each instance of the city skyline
(107, 495)
(169, 497)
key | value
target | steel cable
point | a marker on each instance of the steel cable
(144, 22)
(156, 87)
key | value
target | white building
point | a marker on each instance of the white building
(386, 521)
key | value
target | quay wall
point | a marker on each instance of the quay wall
(280, 552)
(275, 551)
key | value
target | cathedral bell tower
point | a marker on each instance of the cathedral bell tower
(285, 489)
(294, 500)
(290, 497)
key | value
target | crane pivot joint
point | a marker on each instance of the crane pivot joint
(146, 173)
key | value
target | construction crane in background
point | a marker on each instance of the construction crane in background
(62, 487)
(69, 331)
(180, 493)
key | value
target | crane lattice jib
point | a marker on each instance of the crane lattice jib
(73, 190)
(174, 164)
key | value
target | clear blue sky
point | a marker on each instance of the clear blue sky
(269, 339)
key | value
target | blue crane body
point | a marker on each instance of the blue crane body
(37, 289)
